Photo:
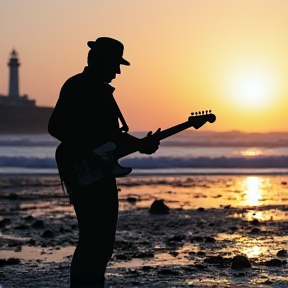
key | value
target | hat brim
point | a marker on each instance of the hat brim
(124, 62)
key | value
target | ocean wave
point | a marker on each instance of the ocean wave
(183, 139)
(28, 141)
(162, 162)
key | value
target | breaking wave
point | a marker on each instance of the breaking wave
(162, 162)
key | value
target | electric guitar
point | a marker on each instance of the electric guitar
(76, 171)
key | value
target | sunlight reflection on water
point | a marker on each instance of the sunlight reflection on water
(253, 190)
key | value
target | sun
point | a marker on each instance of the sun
(252, 89)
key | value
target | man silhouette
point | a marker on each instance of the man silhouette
(86, 116)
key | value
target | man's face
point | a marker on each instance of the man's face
(109, 71)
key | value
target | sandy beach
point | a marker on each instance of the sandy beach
(211, 220)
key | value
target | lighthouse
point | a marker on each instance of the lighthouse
(14, 75)
(14, 99)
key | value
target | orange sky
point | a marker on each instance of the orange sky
(227, 56)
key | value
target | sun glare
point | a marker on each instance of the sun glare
(252, 88)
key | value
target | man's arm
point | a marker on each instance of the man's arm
(147, 145)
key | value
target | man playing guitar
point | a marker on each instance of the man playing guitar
(86, 116)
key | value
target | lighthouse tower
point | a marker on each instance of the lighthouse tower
(14, 98)
(14, 76)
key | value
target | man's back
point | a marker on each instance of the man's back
(85, 113)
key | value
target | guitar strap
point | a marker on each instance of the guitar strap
(124, 127)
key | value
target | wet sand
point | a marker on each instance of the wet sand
(211, 220)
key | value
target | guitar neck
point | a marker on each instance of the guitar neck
(173, 130)
(134, 147)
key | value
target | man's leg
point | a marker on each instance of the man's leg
(96, 208)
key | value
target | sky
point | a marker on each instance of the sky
(227, 56)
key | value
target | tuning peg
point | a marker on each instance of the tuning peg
(196, 113)
(209, 111)
(192, 113)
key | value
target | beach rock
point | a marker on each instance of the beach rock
(188, 268)
(168, 271)
(123, 245)
(21, 227)
(241, 274)
(274, 263)
(14, 243)
(13, 196)
(197, 239)
(121, 257)
(282, 253)
(144, 255)
(240, 262)
(147, 268)
(47, 234)
(4, 222)
(28, 218)
(31, 242)
(177, 238)
(38, 224)
(9, 261)
(217, 260)
(18, 248)
(255, 222)
(200, 266)
(159, 207)
(210, 240)
(255, 230)
(131, 199)
(174, 253)
(175, 244)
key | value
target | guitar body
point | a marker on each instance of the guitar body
(105, 151)
(76, 171)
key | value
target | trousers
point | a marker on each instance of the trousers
(96, 207)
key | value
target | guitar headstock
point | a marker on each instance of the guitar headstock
(198, 119)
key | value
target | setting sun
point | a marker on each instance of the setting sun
(253, 89)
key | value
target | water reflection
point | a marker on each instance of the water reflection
(254, 251)
(251, 152)
(252, 191)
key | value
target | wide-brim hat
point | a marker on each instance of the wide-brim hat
(110, 48)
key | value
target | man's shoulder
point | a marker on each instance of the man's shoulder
(74, 80)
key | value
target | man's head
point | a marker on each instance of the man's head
(105, 57)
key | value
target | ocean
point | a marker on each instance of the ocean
(186, 153)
